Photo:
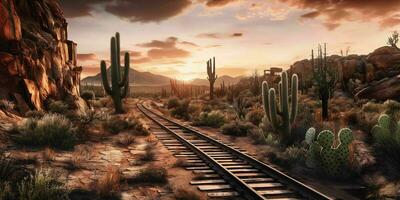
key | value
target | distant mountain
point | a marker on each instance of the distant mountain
(137, 77)
(228, 80)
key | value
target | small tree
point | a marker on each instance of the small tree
(393, 39)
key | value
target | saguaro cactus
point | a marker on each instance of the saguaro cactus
(119, 86)
(286, 108)
(212, 76)
(325, 79)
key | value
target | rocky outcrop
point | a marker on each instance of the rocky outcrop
(37, 61)
(363, 76)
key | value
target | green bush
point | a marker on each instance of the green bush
(88, 95)
(237, 128)
(52, 130)
(58, 107)
(43, 184)
(172, 103)
(115, 125)
(213, 119)
(181, 110)
(255, 116)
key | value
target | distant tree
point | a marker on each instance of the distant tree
(393, 39)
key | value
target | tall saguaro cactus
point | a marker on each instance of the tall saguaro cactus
(324, 78)
(212, 76)
(119, 84)
(282, 112)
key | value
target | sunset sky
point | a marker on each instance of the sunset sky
(176, 37)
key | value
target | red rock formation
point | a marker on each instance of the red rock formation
(37, 61)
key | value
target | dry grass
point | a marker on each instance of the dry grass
(125, 140)
(149, 154)
(78, 158)
(109, 185)
(184, 194)
(48, 155)
(150, 175)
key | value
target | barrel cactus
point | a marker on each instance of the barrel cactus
(332, 159)
(119, 80)
(281, 113)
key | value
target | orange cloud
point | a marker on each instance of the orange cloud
(86, 56)
(219, 35)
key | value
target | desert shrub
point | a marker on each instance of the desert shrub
(43, 184)
(35, 114)
(6, 105)
(149, 154)
(108, 186)
(172, 103)
(213, 119)
(115, 125)
(52, 130)
(125, 140)
(257, 135)
(183, 194)
(237, 128)
(151, 175)
(293, 156)
(88, 95)
(372, 107)
(182, 110)
(361, 156)
(6, 191)
(58, 107)
(255, 116)
(181, 162)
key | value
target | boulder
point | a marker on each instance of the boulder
(384, 57)
(388, 88)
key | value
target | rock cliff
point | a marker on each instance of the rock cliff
(37, 61)
(372, 76)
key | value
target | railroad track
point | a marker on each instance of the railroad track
(225, 170)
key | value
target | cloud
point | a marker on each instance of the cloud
(131, 53)
(167, 53)
(132, 10)
(189, 43)
(86, 57)
(140, 60)
(213, 46)
(79, 8)
(218, 3)
(147, 10)
(168, 43)
(334, 13)
(219, 35)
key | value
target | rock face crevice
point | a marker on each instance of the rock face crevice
(37, 61)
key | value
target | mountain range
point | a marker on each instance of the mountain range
(150, 79)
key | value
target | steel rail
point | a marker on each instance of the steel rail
(240, 186)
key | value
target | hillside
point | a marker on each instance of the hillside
(137, 77)
(228, 80)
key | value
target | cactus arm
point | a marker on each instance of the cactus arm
(118, 52)
(265, 95)
(125, 89)
(285, 103)
(106, 85)
(280, 108)
(294, 98)
(272, 109)
(126, 71)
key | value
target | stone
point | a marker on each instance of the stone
(388, 88)
(384, 57)
(10, 25)
(41, 63)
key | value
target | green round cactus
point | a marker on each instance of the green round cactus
(326, 138)
(384, 121)
(345, 138)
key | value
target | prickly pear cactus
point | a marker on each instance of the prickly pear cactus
(332, 159)
(383, 126)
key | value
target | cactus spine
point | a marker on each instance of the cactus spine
(287, 111)
(212, 76)
(119, 85)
